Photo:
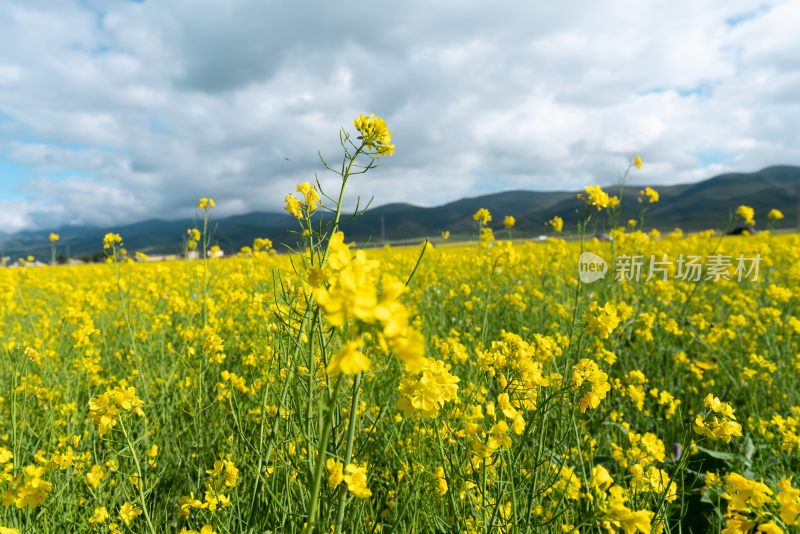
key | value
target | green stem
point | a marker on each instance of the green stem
(139, 474)
(322, 453)
(348, 454)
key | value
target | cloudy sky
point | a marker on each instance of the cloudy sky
(113, 112)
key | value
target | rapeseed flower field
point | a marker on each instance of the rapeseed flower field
(479, 387)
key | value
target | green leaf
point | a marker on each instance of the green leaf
(719, 455)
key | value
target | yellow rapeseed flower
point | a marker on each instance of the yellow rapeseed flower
(482, 216)
(747, 214)
(310, 195)
(356, 479)
(106, 407)
(595, 196)
(350, 360)
(775, 215)
(111, 239)
(99, 516)
(129, 512)
(649, 195)
(206, 203)
(293, 206)
(556, 223)
(374, 134)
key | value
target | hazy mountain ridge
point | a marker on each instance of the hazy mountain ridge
(700, 205)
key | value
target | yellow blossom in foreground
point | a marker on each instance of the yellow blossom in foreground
(8, 530)
(720, 423)
(744, 494)
(601, 479)
(129, 512)
(352, 295)
(335, 472)
(716, 429)
(747, 214)
(28, 489)
(356, 479)
(717, 406)
(350, 360)
(789, 500)
(637, 162)
(623, 518)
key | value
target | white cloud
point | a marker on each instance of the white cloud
(124, 111)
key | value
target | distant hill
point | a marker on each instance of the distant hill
(701, 205)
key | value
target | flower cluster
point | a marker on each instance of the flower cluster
(429, 391)
(111, 241)
(587, 371)
(354, 476)
(309, 203)
(719, 422)
(595, 196)
(775, 215)
(374, 134)
(206, 204)
(351, 294)
(556, 223)
(26, 490)
(601, 320)
(219, 481)
(192, 237)
(482, 216)
(106, 408)
(747, 214)
(753, 506)
(649, 195)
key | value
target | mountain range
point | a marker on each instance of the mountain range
(702, 205)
